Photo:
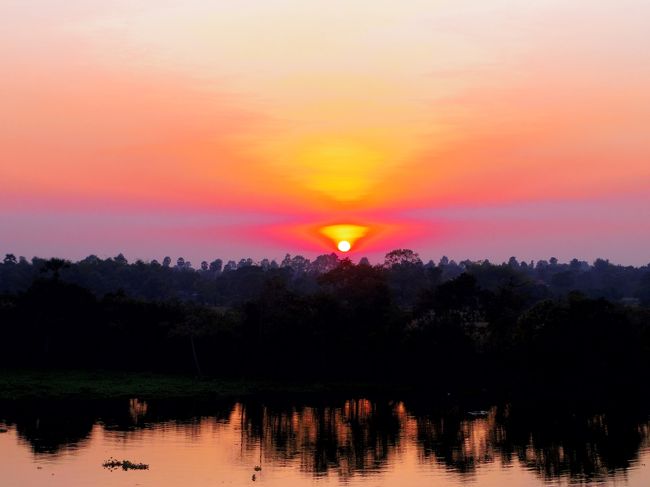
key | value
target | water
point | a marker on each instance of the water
(322, 442)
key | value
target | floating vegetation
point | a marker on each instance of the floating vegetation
(113, 464)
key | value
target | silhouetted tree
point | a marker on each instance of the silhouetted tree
(401, 257)
(216, 265)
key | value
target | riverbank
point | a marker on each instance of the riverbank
(91, 385)
(38, 384)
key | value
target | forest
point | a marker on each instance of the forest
(573, 325)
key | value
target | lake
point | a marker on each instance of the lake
(280, 441)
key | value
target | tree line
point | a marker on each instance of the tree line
(471, 323)
(224, 284)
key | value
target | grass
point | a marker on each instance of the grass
(38, 384)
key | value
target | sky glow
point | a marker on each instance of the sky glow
(476, 129)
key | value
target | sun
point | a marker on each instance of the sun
(344, 235)
(344, 246)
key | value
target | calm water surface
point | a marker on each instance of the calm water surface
(318, 442)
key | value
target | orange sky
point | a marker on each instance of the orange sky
(243, 128)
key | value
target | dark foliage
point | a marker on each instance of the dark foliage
(572, 325)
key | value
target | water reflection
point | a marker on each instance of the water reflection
(460, 443)
(49, 427)
(354, 437)
(580, 447)
(590, 447)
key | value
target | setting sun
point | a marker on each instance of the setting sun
(344, 246)
(344, 236)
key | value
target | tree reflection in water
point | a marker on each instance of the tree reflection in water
(354, 436)
(460, 443)
(576, 446)
(359, 436)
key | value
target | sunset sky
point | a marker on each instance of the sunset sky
(476, 129)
